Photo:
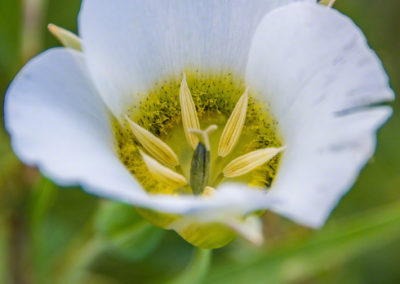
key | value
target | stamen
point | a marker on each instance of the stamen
(162, 173)
(250, 229)
(208, 191)
(331, 3)
(204, 134)
(233, 128)
(67, 38)
(246, 163)
(190, 119)
(155, 146)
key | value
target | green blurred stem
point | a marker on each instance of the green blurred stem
(33, 27)
(74, 266)
(18, 258)
(197, 269)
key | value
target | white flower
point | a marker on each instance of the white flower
(310, 64)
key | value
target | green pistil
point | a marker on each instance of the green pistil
(200, 169)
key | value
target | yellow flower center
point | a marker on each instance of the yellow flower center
(159, 136)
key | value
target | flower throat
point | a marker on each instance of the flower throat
(187, 136)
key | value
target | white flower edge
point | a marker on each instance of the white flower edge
(320, 81)
(53, 100)
(58, 122)
(131, 44)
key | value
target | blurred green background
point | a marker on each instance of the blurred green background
(53, 235)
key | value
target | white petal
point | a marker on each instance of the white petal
(131, 44)
(314, 66)
(306, 55)
(58, 122)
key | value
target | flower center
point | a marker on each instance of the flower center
(187, 136)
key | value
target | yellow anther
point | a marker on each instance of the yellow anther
(190, 119)
(233, 128)
(246, 163)
(162, 173)
(155, 146)
(208, 191)
(67, 38)
(249, 228)
(331, 3)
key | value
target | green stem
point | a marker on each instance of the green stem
(32, 30)
(76, 264)
(5, 276)
(18, 253)
(197, 269)
(73, 264)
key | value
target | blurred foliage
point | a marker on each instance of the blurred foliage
(125, 232)
(296, 260)
(10, 23)
(53, 235)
